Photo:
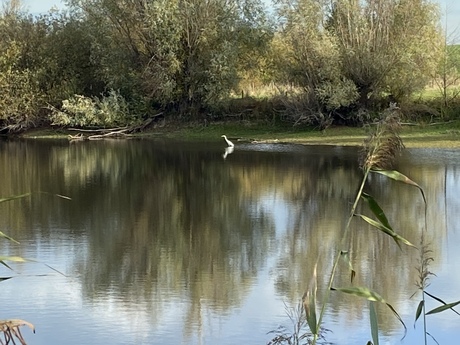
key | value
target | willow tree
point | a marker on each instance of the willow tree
(308, 56)
(183, 53)
(386, 46)
(19, 67)
(136, 44)
(353, 54)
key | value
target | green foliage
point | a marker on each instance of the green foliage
(314, 61)
(422, 284)
(43, 60)
(21, 98)
(68, 64)
(380, 151)
(298, 334)
(11, 328)
(309, 304)
(337, 94)
(108, 111)
(347, 54)
(374, 322)
(337, 57)
(446, 78)
(184, 53)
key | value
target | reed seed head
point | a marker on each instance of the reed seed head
(384, 143)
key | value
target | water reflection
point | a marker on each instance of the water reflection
(187, 246)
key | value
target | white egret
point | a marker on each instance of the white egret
(228, 151)
(229, 143)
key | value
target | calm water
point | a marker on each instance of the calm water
(169, 243)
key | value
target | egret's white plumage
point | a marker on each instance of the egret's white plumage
(228, 151)
(229, 143)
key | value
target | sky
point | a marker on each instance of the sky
(450, 10)
(37, 6)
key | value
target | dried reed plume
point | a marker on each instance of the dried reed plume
(423, 265)
(382, 146)
(11, 330)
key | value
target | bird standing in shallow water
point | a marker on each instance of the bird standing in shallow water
(228, 151)
(229, 143)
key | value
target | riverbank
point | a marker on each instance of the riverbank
(445, 135)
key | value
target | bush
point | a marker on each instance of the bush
(80, 111)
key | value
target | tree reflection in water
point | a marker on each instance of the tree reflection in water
(164, 222)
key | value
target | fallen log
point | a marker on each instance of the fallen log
(118, 132)
(115, 134)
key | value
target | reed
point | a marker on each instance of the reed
(378, 155)
(380, 150)
(422, 284)
(10, 328)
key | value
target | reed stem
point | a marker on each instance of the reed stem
(336, 262)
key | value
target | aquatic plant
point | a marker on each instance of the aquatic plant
(299, 333)
(379, 153)
(11, 327)
(11, 330)
(422, 284)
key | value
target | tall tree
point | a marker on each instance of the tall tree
(182, 52)
(309, 55)
(353, 52)
(386, 46)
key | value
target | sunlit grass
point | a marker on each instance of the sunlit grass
(442, 135)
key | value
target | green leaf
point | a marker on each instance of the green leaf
(419, 310)
(442, 308)
(434, 297)
(434, 339)
(371, 296)
(374, 323)
(55, 270)
(361, 292)
(14, 259)
(386, 230)
(309, 303)
(439, 300)
(376, 210)
(397, 176)
(14, 197)
(2, 234)
(346, 257)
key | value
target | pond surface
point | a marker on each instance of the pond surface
(167, 242)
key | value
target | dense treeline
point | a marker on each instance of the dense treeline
(116, 62)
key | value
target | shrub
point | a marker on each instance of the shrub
(80, 111)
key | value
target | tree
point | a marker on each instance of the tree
(310, 57)
(387, 46)
(183, 53)
(21, 96)
(68, 63)
(136, 43)
(351, 52)
(43, 60)
(447, 75)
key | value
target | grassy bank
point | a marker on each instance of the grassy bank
(434, 135)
